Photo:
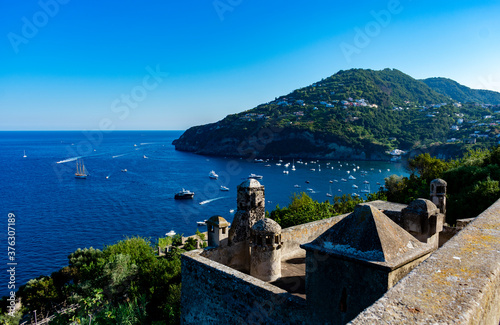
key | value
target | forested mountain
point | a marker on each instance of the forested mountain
(460, 93)
(354, 114)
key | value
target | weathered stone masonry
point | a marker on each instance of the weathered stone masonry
(458, 284)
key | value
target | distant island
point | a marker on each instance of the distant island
(357, 114)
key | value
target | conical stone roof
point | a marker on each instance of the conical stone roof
(369, 235)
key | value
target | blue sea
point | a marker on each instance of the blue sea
(55, 213)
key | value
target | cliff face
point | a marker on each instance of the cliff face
(273, 143)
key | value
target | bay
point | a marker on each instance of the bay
(55, 214)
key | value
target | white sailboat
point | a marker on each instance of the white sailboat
(81, 172)
(24, 156)
(293, 164)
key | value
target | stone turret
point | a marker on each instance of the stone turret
(217, 228)
(251, 208)
(265, 260)
(438, 194)
(424, 221)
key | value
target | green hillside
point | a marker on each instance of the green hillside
(460, 93)
(354, 114)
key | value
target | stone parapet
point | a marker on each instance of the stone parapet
(293, 237)
(458, 284)
(216, 294)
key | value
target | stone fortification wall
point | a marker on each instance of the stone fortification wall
(291, 237)
(295, 236)
(458, 284)
(216, 294)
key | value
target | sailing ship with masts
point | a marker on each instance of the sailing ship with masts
(81, 172)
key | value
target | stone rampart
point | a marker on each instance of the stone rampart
(212, 292)
(458, 284)
(295, 236)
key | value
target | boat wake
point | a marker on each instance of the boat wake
(121, 155)
(68, 160)
(211, 200)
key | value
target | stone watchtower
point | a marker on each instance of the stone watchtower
(424, 221)
(265, 260)
(355, 262)
(438, 194)
(217, 228)
(250, 209)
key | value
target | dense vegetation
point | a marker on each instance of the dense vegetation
(304, 209)
(473, 182)
(370, 111)
(125, 283)
(460, 93)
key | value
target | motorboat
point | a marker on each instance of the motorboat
(184, 195)
(255, 176)
(213, 175)
(170, 233)
(224, 188)
(351, 177)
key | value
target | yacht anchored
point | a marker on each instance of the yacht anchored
(255, 176)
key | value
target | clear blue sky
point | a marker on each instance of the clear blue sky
(75, 65)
